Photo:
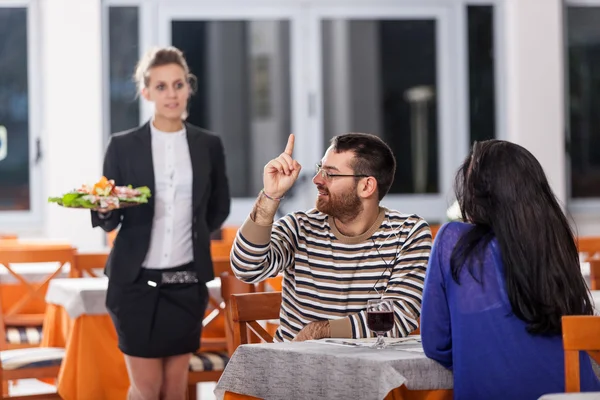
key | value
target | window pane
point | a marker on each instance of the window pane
(482, 93)
(243, 72)
(123, 56)
(584, 99)
(14, 110)
(379, 76)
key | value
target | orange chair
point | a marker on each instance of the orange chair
(580, 333)
(19, 327)
(88, 263)
(590, 245)
(32, 363)
(228, 233)
(230, 285)
(434, 230)
(246, 310)
(220, 249)
(594, 274)
(208, 364)
(110, 238)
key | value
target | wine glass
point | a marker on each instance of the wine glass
(380, 319)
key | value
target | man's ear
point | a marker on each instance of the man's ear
(367, 187)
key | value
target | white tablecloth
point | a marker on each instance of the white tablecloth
(88, 295)
(596, 298)
(308, 370)
(79, 295)
(571, 396)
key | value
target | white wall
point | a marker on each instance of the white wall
(534, 83)
(72, 112)
(534, 77)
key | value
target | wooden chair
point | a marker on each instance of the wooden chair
(205, 366)
(590, 245)
(246, 309)
(580, 333)
(88, 263)
(228, 233)
(31, 363)
(434, 230)
(110, 238)
(594, 274)
(215, 360)
(19, 326)
(220, 249)
(215, 318)
(230, 285)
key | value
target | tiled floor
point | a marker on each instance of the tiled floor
(33, 386)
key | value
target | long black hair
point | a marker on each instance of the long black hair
(503, 191)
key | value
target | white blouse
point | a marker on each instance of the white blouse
(171, 238)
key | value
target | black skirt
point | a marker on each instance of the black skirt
(157, 321)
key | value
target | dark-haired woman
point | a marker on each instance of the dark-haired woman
(497, 286)
(160, 262)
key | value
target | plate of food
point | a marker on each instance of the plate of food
(104, 195)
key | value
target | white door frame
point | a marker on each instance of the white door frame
(582, 207)
(25, 221)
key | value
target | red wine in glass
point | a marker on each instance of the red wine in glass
(380, 319)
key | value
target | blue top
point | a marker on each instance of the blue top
(469, 328)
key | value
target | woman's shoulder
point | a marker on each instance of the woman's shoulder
(453, 230)
(205, 133)
(126, 135)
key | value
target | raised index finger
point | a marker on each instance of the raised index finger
(289, 148)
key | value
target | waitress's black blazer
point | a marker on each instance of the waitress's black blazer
(128, 161)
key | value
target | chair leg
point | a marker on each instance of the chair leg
(192, 391)
(4, 388)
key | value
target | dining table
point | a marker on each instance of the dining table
(334, 369)
(77, 319)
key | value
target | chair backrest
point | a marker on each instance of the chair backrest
(434, 230)
(230, 285)
(590, 245)
(580, 333)
(110, 238)
(228, 233)
(31, 283)
(594, 274)
(245, 312)
(221, 265)
(88, 263)
(220, 249)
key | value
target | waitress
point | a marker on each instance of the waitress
(160, 261)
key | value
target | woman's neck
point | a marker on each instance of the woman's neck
(166, 124)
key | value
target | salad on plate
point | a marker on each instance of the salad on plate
(104, 195)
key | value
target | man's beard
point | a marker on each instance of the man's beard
(343, 207)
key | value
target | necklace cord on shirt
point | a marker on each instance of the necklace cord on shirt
(387, 265)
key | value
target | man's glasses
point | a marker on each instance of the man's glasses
(328, 175)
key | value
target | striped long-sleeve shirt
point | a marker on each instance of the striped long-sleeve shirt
(329, 276)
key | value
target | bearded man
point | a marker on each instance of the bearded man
(337, 256)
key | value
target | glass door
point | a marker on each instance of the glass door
(248, 65)
(265, 70)
(394, 72)
(20, 142)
